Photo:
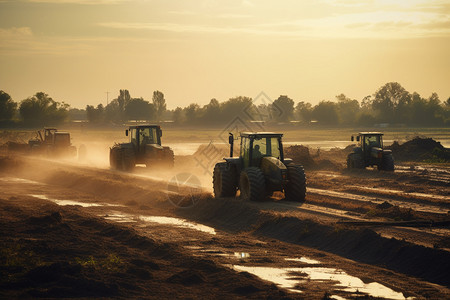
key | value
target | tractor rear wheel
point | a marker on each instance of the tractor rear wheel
(252, 184)
(387, 163)
(128, 160)
(224, 181)
(113, 158)
(296, 187)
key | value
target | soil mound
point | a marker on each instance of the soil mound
(300, 155)
(420, 149)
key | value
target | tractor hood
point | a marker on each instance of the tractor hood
(274, 171)
(153, 146)
(376, 152)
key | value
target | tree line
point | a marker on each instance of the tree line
(390, 104)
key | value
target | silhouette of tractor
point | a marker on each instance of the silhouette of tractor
(370, 152)
(52, 143)
(260, 170)
(144, 148)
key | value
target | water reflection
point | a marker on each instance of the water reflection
(289, 278)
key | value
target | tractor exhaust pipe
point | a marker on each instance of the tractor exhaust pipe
(231, 142)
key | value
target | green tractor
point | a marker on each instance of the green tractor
(260, 170)
(144, 148)
(370, 152)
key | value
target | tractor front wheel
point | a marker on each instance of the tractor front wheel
(113, 158)
(355, 161)
(224, 181)
(296, 187)
(168, 157)
(387, 163)
(252, 184)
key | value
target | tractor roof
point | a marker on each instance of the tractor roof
(144, 126)
(371, 133)
(261, 134)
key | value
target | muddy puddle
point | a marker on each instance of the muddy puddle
(308, 271)
(72, 202)
(293, 278)
(176, 222)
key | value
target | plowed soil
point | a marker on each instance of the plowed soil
(71, 230)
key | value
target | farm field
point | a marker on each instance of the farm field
(75, 228)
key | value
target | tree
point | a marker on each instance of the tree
(7, 107)
(348, 109)
(211, 112)
(303, 110)
(366, 102)
(391, 101)
(283, 108)
(123, 99)
(177, 115)
(77, 114)
(192, 113)
(235, 107)
(326, 113)
(426, 112)
(160, 104)
(113, 112)
(139, 109)
(95, 115)
(41, 110)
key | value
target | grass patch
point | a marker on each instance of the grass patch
(111, 263)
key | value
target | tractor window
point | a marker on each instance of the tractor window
(245, 144)
(148, 136)
(274, 148)
(267, 146)
(259, 150)
(373, 141)
(133, 137)
(260, 145)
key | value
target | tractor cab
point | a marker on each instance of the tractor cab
(144, 148)
(49, 134)
(142, 136)
(368, 141)
(255, 146)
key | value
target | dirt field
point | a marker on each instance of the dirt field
(77, 229)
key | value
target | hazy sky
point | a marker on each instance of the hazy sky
(195, 50)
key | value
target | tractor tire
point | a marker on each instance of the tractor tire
(224, 179)
(252, 184)
(355, 161)
(296, 188)
(169, 157)
(128, 160)
(387, 163)
(114, 156)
